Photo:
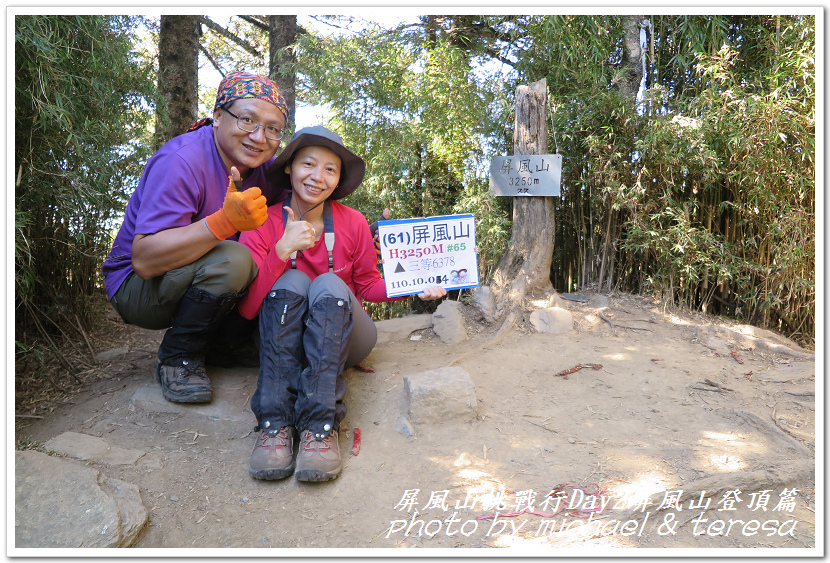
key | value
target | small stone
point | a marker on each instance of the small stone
(174, 498)
(572, 440)
(244, 499)
(404, 427)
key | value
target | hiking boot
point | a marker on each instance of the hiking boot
(273, 455)
(185, 382)
(318, 460)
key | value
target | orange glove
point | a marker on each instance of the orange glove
(241, 211)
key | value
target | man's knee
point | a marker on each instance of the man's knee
(228, 268)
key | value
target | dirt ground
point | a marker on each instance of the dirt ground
(675, 404)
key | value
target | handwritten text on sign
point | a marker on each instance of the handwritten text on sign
(526, 175)
(421, 253)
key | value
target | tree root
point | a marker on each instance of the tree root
(506, 326)
(615, 325)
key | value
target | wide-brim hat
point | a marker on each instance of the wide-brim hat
(352, 168)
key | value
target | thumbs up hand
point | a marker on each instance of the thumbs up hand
(241, 211)
(298, 235)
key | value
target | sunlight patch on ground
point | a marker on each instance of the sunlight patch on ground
(640, 489)
(484, 488)
(678, 321)
(727, 463)
(730, 440)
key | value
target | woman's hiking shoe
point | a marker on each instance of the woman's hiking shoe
(273, 455)
(185, 382)
(318, 460)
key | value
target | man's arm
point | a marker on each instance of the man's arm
(157, 254)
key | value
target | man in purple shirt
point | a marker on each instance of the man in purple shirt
(176, 261)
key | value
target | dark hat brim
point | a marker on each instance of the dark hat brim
(352, 169)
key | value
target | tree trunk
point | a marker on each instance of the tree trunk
(525, 268)
(178, 76)
(632, 62)
(282, 33)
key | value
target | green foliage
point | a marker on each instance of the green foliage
(413, 108)
(81, 126)
(702, 192)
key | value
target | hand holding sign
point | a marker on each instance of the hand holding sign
(419, 254)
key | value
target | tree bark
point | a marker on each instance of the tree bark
(632, 55)
(178, 76)
(525, 268)
(282, 35)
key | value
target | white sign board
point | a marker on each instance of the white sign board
(526, 175)
(421, 253)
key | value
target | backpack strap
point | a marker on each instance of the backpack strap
(328, 233)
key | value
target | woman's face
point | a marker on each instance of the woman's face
(315, 173)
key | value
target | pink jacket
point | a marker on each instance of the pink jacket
(355, 261)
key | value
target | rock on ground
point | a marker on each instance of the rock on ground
(554, 320)
(448, 322)
(439, 395)
(483, 301)
(59, 503)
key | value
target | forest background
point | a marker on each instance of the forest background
(688, 145)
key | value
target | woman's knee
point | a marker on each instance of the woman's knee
(328, 285)
(295, 281)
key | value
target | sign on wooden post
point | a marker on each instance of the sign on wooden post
(526, 175)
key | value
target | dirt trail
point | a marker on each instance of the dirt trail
(670, 409)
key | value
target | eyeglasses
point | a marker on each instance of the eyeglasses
(250, 126)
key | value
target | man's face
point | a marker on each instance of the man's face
(240, 148)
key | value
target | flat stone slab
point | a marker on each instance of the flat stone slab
(400, 329)
(86, 447)
(231, 391)
(62, 504)
(440, 395)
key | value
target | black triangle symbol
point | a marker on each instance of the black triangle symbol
(399, 269)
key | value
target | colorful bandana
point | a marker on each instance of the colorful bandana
(239, 85)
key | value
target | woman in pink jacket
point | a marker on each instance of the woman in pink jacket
(317, 262)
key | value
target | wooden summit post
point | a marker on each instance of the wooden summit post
(524, 269)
